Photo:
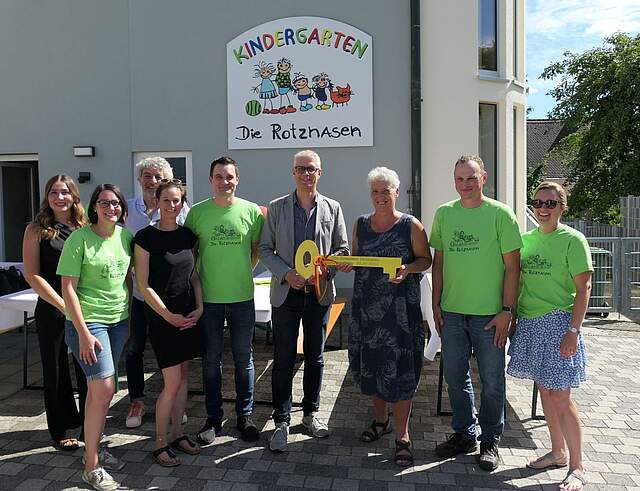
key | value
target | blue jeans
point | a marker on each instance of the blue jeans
(241, 318)
(286, 323)
(134, 350)
(112, 338)
(460, 334)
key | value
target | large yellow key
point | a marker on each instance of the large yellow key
(389, 265)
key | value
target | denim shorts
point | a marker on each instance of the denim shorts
(112, 337)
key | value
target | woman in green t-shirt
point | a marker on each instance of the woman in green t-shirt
(95, 271)
(547, 347)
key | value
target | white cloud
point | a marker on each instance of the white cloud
(558, 18)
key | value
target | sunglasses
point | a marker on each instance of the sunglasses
(301, 169)
(106, 203)
(550, 204)
(171, 181)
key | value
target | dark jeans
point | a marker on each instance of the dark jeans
(241, 318)
(134, 350)
(59, 402)
(460, 334)
(286, 323)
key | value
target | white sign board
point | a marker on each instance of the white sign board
(300, 82)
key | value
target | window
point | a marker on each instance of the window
(487, 36)
(488, 145)
(180, 163)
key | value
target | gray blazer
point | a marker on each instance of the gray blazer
(277, 242)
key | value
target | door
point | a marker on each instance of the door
(20, 198)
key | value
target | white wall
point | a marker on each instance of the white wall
(452, 88)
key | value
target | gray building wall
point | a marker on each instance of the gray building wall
(150, 75)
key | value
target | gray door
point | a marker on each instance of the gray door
(19, 204)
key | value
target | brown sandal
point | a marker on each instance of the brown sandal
(165, 463)
(372, 433)
(404, 454)
(192, 449)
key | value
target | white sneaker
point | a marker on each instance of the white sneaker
(100, 479)
(107, 460)
(280, 437)
(317, 428)
(134, 414)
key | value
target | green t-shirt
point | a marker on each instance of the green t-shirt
(472, 241)
(101, 266)
(548, 264)
(225, 236)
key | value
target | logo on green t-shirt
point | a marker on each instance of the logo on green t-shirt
(222, 235)
(536, 264)
(463, 242)
(113, 269)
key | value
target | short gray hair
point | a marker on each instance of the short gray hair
(384, 174)
(159, 163)
(308, 153)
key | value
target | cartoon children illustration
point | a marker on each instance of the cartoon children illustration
(283, 80)
(301, 87)
(320, 83)
(266, 89)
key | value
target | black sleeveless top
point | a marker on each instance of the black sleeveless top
(50, 251)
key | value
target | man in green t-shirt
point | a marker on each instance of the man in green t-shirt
(476, 269)
(228, 230)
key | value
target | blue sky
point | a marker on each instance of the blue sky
(556, 26)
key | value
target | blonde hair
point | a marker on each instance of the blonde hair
(553, 186)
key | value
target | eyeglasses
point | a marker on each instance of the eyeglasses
(106, 203)
(172, 181)
(301, 169)
(550, 204)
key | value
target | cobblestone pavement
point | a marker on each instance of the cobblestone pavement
(609, 403)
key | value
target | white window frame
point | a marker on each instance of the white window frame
(187, 155)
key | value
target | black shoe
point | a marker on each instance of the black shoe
(456, 444)
(248, 430)
(489, 458)
(208, 432)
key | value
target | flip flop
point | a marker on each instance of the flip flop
(67, 444)
(547, 461)
(165, 463)
(193, 449)
(575, 478)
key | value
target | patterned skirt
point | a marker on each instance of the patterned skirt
(535, 353)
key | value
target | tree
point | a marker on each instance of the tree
(598, 95)
(534, 178)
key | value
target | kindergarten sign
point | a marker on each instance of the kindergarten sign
(300, 82)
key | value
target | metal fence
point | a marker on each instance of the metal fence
(616, 277)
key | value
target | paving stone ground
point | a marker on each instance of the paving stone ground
(609, 403)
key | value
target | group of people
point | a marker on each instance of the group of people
(190, 272)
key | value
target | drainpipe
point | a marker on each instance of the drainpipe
(415, 196)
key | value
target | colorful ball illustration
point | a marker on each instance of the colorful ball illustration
(253, 108)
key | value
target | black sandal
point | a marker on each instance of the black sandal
(404, 454)
(164, 463)
(372, 434)
(194, 450)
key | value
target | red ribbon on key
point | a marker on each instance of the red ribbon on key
(321, 267)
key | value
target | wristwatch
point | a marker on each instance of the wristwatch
(574, 330)
(511, 310)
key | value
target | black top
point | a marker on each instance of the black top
(171, 263)
(50, 251)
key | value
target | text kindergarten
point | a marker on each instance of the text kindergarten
(289, 37)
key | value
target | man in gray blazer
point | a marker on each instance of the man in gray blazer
(302, 215)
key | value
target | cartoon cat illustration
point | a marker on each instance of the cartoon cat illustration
(341, 95)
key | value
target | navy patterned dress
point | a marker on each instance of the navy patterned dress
(386, 333)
